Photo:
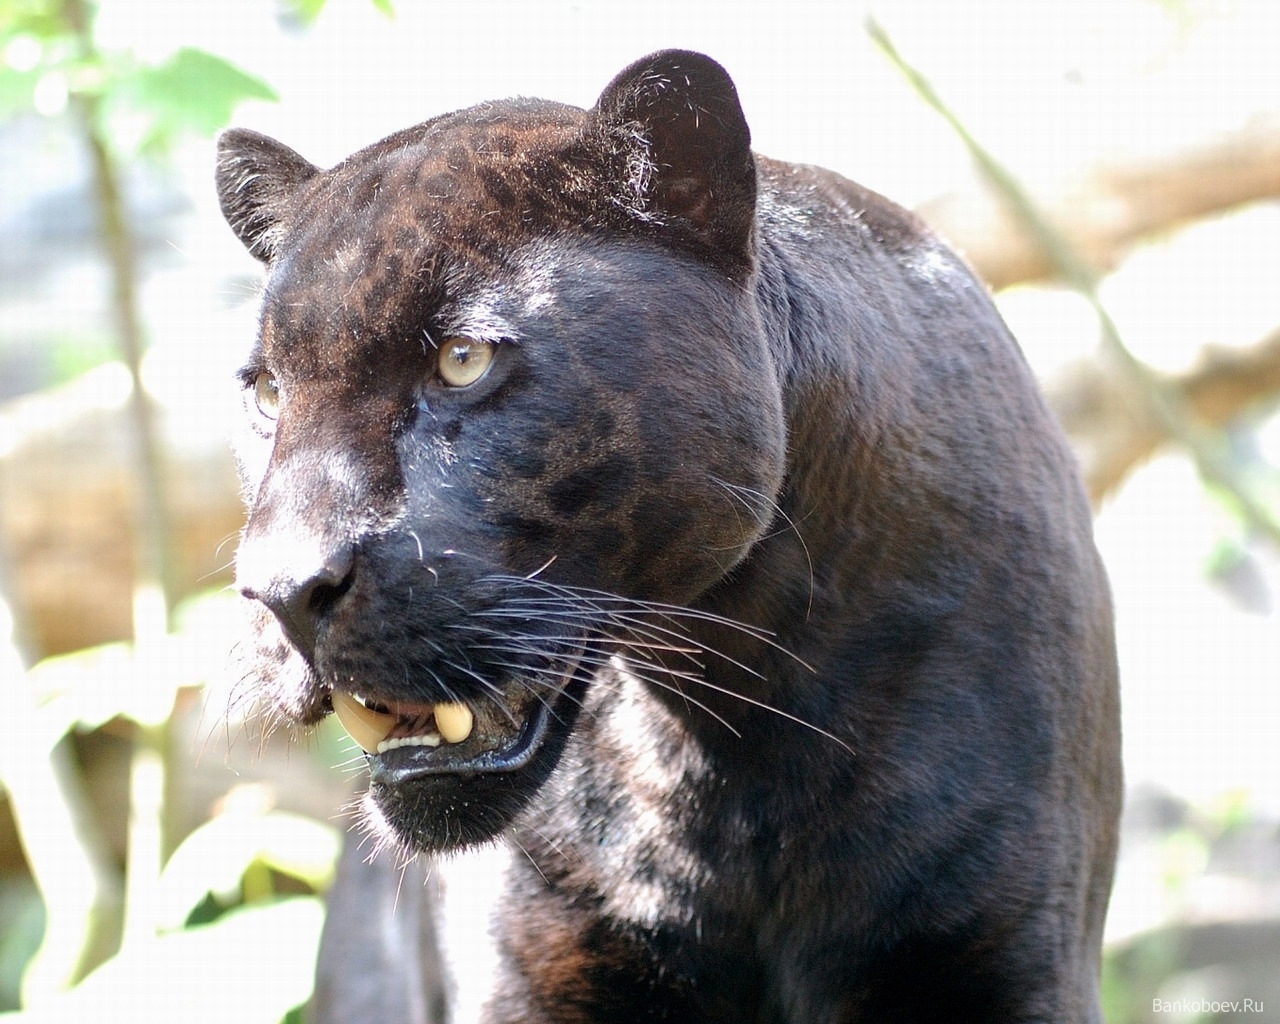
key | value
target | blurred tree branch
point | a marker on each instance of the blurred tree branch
(66, 500)
(154, 551)
(1111, 434)
(1114, 205)
(1162, 403)
(1112, 208)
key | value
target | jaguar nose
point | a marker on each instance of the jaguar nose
(300, 601)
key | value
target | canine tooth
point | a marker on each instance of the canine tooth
(364, 725)
(454, 721)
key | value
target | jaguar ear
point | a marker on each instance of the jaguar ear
(678, 139)
(257, 179)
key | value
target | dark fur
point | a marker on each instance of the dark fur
(753, 392)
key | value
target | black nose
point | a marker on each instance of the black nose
(302, 600)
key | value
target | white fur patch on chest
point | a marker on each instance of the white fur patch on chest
(652, 870)
(471, 885)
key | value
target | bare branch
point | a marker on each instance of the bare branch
(1114, 205)
(1111, 432)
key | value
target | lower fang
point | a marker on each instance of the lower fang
(454, 721)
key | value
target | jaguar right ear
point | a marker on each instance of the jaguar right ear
(257, 179)
(673, 126)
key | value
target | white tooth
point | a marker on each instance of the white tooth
(428, 739)
(367, 727)
(454, 721)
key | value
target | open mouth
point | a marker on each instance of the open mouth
(411, 739)
(445, 775)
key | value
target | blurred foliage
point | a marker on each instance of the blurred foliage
(238, 898)
(193, 91)
(306, 11)
(1242, 481)
(49, 58)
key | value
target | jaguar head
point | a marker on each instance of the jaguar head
(509, 400)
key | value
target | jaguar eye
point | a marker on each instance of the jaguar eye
(266, 394)
(463, 361)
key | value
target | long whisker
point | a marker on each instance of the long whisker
(690, 653)
(658, 676)
(636, 627)
(607, 603)
(742, 493)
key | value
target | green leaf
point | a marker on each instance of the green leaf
(90, 687)
(251, 966)
(193, 92)
(305, 11)
(39, 18)
(33, 44)
(22, 925)
(17, 91)
(216, 856)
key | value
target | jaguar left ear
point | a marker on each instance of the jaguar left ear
(681, 145)
(257, 179)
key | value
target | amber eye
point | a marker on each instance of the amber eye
(463, 361)
(266, 393)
